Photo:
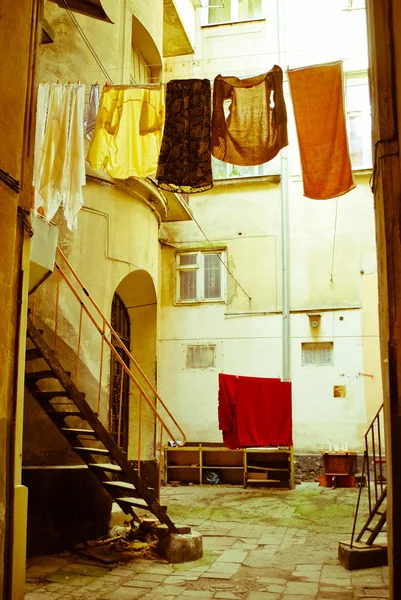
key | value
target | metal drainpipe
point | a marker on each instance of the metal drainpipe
(285, 248)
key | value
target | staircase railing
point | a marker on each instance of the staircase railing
(373, 461)
(165, 421)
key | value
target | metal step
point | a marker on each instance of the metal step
(122, 485)
(64, 413)
(129, 502)
(36, 375)
(70, 431)
(32, 354)
(82, 450)
(50, 395)
(106, 467)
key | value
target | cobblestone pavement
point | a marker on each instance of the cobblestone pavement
(258, 545)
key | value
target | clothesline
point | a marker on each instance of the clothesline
(199, 60)
(163, 83)
(146, 136)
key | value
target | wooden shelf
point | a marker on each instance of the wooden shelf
(232, 465)
(220, 467)
(183, 466)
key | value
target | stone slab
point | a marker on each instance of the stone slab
(361, 558)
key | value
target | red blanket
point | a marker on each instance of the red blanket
(227, 409)
(254, 411)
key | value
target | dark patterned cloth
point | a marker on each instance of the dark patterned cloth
(185, 159)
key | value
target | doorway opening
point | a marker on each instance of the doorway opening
(119, 402)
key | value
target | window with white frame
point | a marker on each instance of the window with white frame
(231, 11)
(200, 276)
(317, 354)
(359, 120)
(222, 170)
(200, 356)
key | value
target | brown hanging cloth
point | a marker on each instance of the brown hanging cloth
(185, 163)
(317, 97)
(255, 129)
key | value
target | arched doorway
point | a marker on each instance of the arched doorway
(137, 292)
(120, 322)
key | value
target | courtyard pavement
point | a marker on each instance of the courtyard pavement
(258, 545)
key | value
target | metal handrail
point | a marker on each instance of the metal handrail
(373, 448)
(66, 272)
(125, 349)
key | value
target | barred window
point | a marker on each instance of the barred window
(200, 356)
(317, 354)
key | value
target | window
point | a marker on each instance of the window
(200, 276)
(222, 170)
(317, 354)
(200, 357)
(359, 121)
(140, 72)
(231, 11)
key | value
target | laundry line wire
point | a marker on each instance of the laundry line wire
(231, 57)
(163, 83)
(218, 254)
(86, 40)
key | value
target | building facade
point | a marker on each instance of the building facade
(126, 262)
(310, 263)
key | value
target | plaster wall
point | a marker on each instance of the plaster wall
(18, 52)
(68, 58)
(327, 276)
(117, 235)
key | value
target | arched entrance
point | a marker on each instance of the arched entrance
(120, 322)
(138, 295)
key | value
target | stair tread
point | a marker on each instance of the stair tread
(73, 431)
(120, 484)
(40, 395)
(91, 450)
(137, 502)
(45, 374)
(35, 375)
(32, 354)
(49, 395)
(65, 413)
(106, 466)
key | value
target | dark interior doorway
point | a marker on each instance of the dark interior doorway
(120, 322)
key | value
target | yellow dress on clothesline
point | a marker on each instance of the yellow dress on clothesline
(128, 132)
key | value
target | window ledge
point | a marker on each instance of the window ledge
(275, 179)
(224, 23)
(199, 302)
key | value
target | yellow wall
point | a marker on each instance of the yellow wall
(17, 53)
(245, 218)
(116, 238)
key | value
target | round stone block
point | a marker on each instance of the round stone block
(180, 547)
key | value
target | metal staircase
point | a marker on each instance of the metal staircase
(59, 394)
(93, 443)
(373, 473)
